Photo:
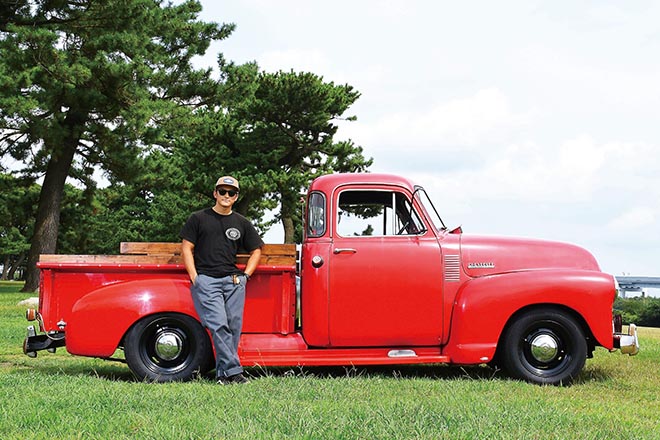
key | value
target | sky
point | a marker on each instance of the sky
(520, 118)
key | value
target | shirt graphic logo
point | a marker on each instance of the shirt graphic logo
(233, 234)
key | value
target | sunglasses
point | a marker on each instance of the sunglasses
(223, 191)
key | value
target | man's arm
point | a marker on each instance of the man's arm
(253, 261)
(187, 248)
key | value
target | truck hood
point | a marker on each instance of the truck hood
(482, 255)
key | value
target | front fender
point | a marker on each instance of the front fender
(100, 319)
(484, 305)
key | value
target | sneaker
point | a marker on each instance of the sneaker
(236, 378)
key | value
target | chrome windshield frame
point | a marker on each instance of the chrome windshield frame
(431, 214)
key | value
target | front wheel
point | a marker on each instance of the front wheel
(545, 346)
(167, 347)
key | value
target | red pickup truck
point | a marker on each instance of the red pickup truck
(382, 281)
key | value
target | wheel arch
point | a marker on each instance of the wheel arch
(485, 306)
(122, 340)
(100, 320)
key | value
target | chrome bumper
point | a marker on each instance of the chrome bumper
(627, 343)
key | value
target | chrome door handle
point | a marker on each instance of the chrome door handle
(344, 251)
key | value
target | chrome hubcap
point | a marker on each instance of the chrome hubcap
(168, 345)
(544, 348)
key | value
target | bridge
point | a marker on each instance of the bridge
(636, 284)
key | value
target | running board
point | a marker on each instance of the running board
(335, 357)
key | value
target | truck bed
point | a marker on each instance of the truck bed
(157, 269)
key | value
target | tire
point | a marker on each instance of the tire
(545, 346)
(167, 347)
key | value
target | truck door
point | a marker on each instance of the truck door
(385, 277)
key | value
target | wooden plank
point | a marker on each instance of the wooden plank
(135, 253)
(162, 248)
(110, 259)
(149, 248)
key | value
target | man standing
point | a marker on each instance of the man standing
(211, 239)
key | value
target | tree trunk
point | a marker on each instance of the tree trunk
(46, 227)
(12, 270)
(5, 268)
(289, 230)
(287, 214)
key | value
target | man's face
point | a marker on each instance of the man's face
(226, 195)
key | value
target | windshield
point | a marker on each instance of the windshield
(432, 214)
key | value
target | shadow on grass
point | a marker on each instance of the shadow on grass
(68, 366)
(435, 372)
(118, 371)
(383, 371)
(593, 374)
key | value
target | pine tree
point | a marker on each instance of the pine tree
(88, 83)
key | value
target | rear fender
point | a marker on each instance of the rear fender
(484, 306)
(100, 319)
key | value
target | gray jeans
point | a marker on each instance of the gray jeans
(219, 303)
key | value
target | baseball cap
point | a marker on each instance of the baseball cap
(227, 180)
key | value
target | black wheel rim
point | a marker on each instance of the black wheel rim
(165, 346)
(546, 349)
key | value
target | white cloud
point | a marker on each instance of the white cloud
(304, 60)
(451, 125)
(576, 171)
(640, 216)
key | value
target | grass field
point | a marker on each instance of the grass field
(58, 396)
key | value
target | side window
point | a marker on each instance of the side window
(376, 213)
(407, 221)
(316, 215)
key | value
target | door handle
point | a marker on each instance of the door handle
(344, 251)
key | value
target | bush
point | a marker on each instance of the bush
(643, 311)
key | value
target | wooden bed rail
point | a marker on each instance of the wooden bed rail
(170, 253)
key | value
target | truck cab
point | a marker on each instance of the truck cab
(375, 270)
(380, 269)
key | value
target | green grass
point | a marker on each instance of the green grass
(64, 397)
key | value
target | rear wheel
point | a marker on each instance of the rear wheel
(167, 347)
(545, 346)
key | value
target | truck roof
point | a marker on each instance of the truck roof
(330, 182)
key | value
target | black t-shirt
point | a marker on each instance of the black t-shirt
(217, 239)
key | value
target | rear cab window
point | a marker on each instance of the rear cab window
(316, 223)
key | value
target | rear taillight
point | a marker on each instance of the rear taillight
(31, 314)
